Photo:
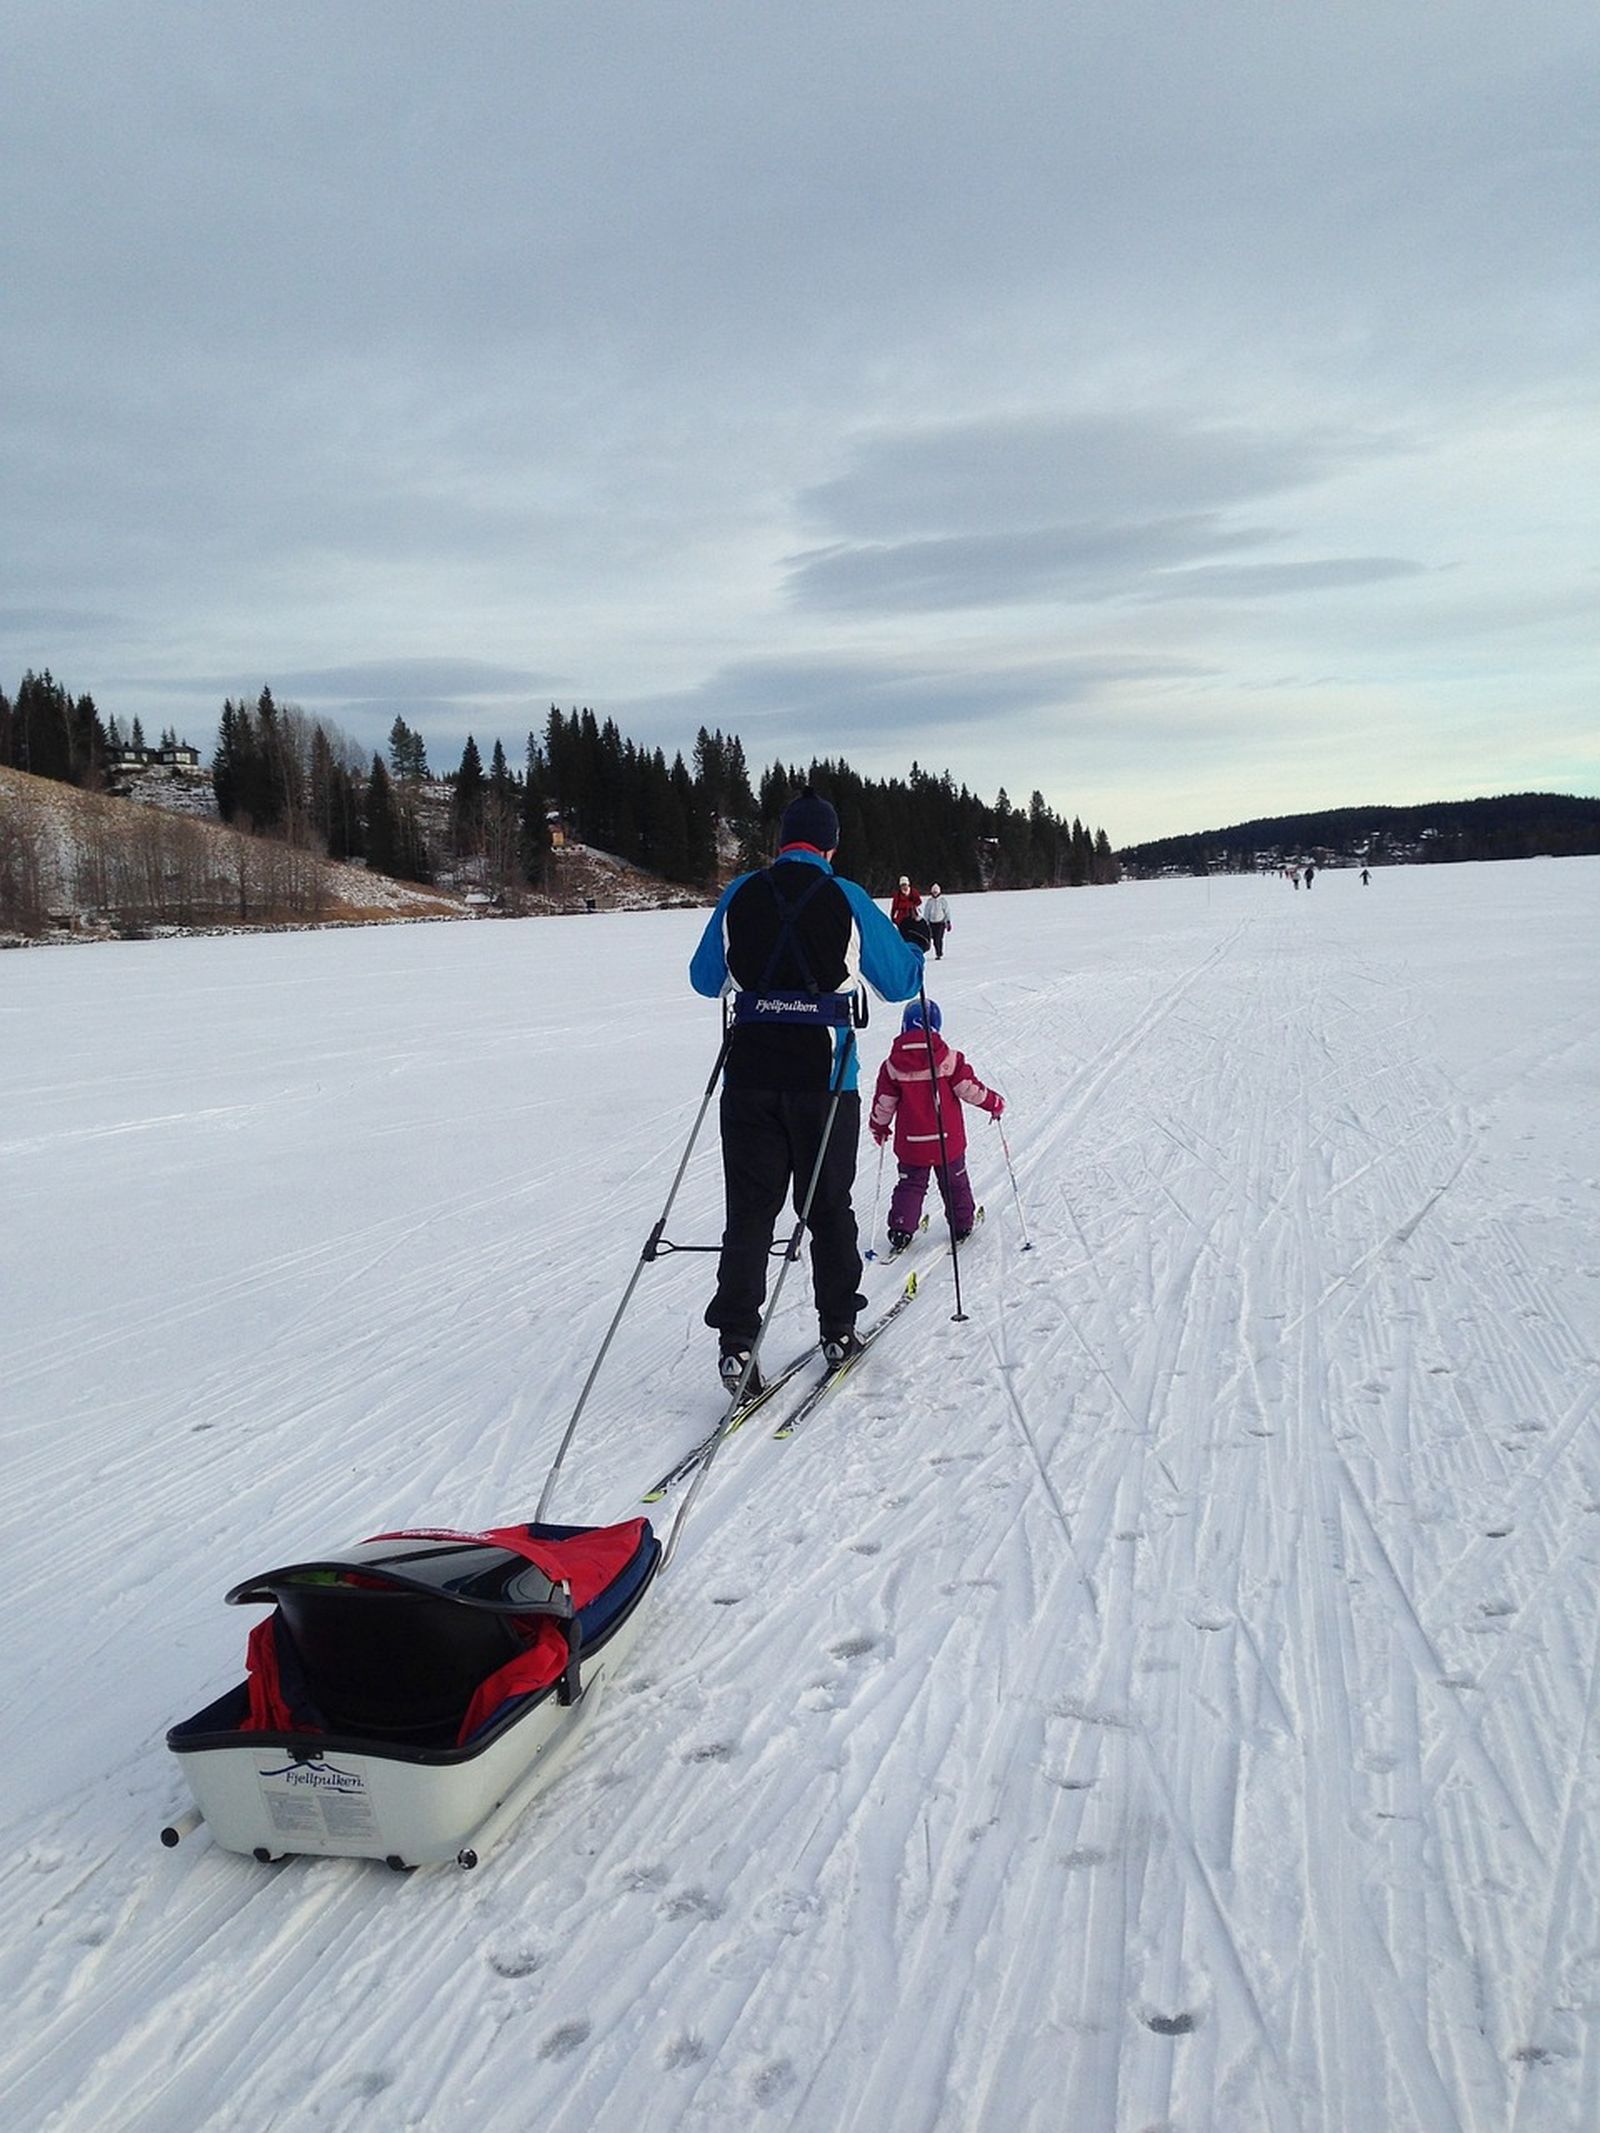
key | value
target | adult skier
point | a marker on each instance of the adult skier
(905, 903)
(791, 944)
(936, 917)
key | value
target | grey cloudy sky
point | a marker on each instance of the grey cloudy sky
(1185, 407)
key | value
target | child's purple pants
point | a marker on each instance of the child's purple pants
(905, 1207)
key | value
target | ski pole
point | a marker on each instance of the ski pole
(877, 1195)
(650, 1244)
(957, 1316)
(1027, 1241)
(836, 1089)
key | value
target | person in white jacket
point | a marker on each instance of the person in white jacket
(936, 917)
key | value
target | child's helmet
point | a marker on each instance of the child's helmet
(912, 1018)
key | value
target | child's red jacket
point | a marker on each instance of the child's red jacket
(905, 1097)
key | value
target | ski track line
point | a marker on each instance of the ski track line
(1153, 2094)
(1273, 1207)
(1343, 1507)
(1559, 1990)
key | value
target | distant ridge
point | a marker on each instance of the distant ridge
(1524, 825)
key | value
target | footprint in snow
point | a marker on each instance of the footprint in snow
(563, 2042)
(640, 1879)
(515, 1962)
(1174, 2025)
(687, 2050)
(712, 1751)
(771, 2081)
(787, 1909)
(854, 1647)
(692, 1903)
(729, 1599)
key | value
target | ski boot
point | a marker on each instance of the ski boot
(731, 1367)
(840, 1348)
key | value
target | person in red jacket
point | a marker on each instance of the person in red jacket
(917, 1101)
(905, 903)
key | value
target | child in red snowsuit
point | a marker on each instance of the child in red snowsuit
(906, 1097)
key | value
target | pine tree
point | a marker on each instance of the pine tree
(534, 842)
(466, 805)
(382, 829)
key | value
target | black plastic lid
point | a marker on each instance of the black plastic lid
(474, 1573)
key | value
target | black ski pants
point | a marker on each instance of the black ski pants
(769, 1147)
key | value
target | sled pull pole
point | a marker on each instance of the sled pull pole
(790, 1256)
(181, 1826)
(651, 1245)
(877, 1195)
(957, 1316)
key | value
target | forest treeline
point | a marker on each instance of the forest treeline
(283, 775)
(1526, 825)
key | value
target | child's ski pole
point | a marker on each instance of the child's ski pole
(1027, 1241)
(958, 1316)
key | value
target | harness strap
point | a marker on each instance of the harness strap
(787, 941)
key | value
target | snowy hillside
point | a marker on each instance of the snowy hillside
(1169, 1699)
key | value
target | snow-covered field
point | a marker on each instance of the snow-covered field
(1169, 1699)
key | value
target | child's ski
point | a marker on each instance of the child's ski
(894, 1251)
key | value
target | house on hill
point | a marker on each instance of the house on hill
(175, 755)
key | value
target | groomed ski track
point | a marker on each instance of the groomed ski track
(1170, 1699)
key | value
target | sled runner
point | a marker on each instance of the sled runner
(407, 1697)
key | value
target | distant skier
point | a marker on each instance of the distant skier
(916, 1103)
(1366, 876)
(905, 903)
(1310, 871)
(936, 917)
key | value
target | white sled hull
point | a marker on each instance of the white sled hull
(354, 1800)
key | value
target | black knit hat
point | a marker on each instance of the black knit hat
(808, 819)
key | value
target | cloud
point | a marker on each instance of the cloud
(1003, 473)
(797, 707)
(1084, 562)
(416, 680)
(48, 622)
(1072, 509)
(437, 681)
(1254, 581)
